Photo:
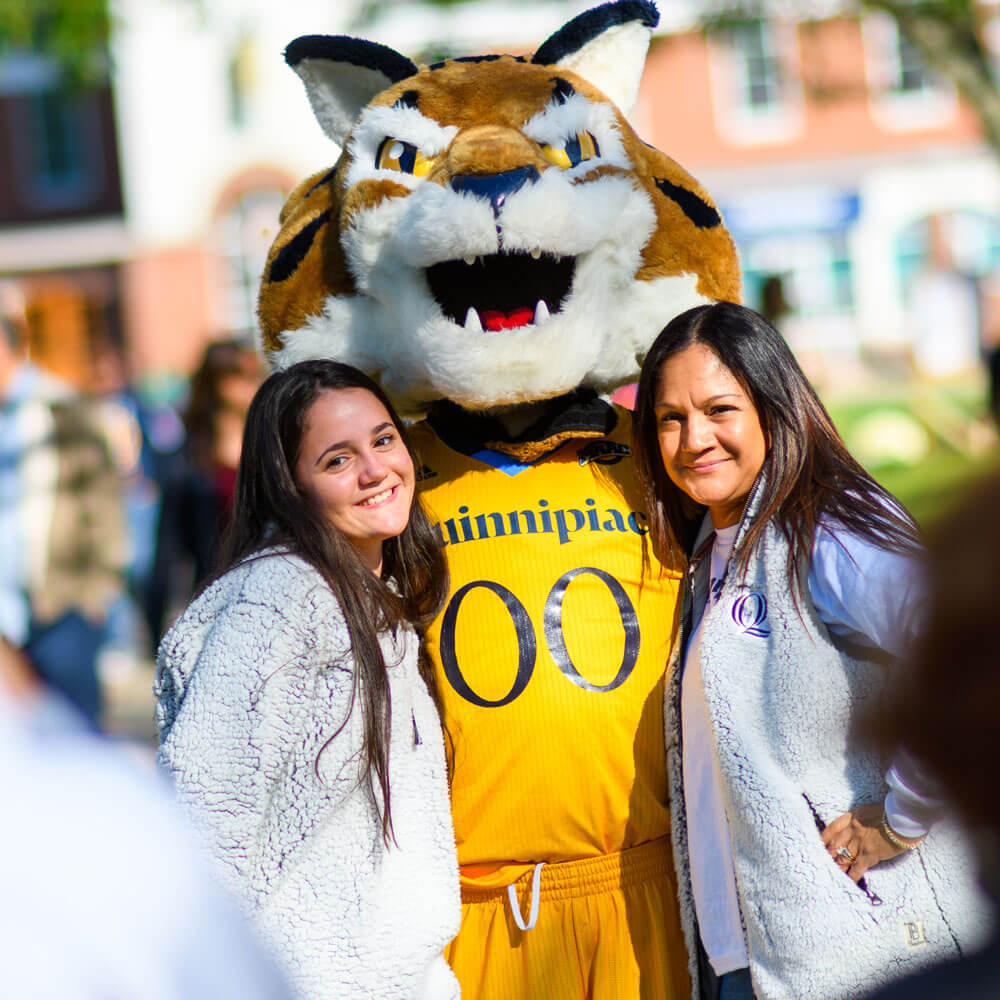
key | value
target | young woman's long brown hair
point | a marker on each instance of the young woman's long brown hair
(808, 473)
(270, 511)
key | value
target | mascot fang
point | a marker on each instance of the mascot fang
(498, 248)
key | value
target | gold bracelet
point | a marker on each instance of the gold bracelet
(903, 843)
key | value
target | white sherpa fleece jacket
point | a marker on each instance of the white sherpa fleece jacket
(785, 704)
(252, 682)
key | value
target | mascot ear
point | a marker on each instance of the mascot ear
(342, 75)
(606, 46)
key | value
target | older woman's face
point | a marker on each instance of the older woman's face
(711, 440)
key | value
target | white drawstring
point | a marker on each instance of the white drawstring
(536, 880)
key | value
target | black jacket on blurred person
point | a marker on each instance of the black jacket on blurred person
(192, 518)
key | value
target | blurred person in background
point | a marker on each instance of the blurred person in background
(144, 440)
(774, 306)
(948, 711)
(104, 893)
(942, 310)
(63, 545)
(198, 496)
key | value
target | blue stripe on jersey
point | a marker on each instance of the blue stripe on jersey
(497, 459)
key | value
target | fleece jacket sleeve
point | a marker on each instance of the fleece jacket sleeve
(233, 722)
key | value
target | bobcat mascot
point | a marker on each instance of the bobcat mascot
(498, 248)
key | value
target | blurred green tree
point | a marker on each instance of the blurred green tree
(950, 36)
(73, 33)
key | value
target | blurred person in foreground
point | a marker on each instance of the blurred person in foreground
(104, 894)
(198, 497)
(63, 544)
(948, 712)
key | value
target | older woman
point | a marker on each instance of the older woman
(805, 870)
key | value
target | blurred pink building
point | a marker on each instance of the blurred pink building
(839, 162)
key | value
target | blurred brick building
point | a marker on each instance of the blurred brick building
(134, 216)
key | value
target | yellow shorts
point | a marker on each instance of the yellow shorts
(607, 928)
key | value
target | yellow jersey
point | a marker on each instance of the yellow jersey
(550, 653)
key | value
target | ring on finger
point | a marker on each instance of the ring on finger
(845, 854)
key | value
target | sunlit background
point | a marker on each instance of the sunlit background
(147, 150)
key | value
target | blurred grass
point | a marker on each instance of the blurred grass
(929, 489)
(959, 442)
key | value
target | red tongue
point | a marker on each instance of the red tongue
(493, 319)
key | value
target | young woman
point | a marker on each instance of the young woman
(299, 726)
(805, 870)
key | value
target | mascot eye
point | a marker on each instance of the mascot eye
(394, 154)
(583, 146)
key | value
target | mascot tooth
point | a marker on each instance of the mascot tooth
(498, 247)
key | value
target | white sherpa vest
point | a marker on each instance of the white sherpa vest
(785, 703)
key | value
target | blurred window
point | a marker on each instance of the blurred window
(973, 241)
(911, 252)
(905, 93)
(816, 271)
(761, 75)
(242, 79)
(756, 86)
(912, 73)
(242, 237)
(990, 31)
(70, 314)
(61, 162)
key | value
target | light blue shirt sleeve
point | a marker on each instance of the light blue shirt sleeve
(878, 599)
(864, 594)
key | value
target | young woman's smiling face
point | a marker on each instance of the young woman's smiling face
(355, 467)
(711, 440)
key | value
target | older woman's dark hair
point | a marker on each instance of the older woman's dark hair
(808, 473)
(270, 511)
(945, 707)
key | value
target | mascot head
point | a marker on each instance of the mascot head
(494, 231)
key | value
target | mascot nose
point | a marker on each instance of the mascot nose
(495, 187)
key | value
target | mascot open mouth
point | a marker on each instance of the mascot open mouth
(501, 291)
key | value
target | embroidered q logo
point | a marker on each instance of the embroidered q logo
(913, 931)
(750, 613)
